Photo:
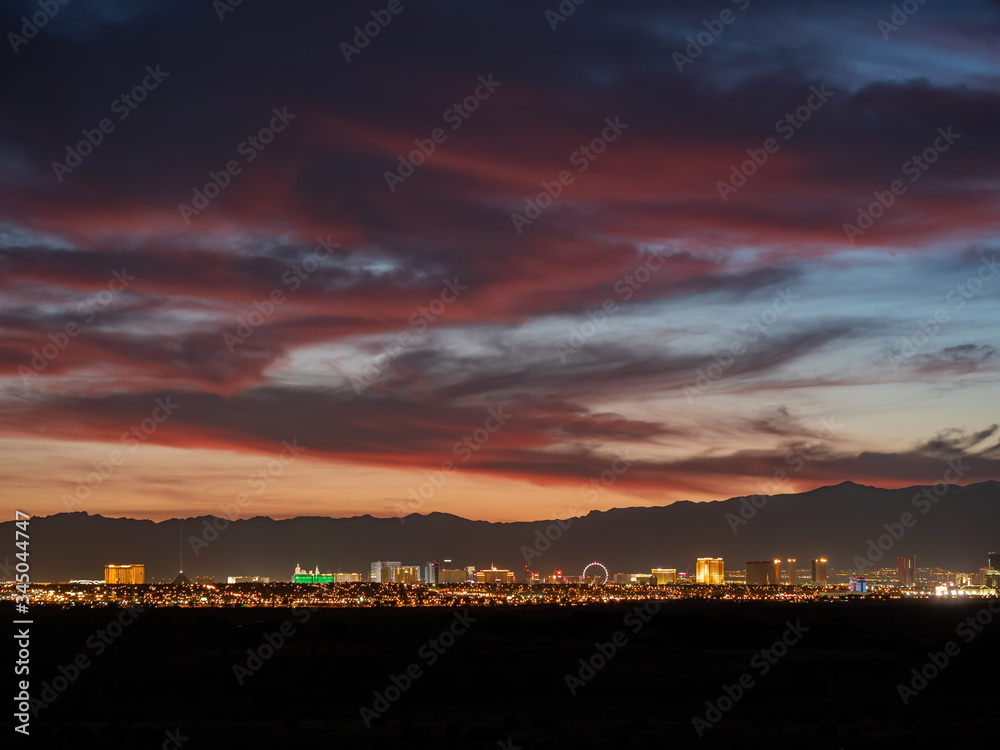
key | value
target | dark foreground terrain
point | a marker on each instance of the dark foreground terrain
(167, 680)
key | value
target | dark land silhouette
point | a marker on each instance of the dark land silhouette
(838, 522)
(503, 677)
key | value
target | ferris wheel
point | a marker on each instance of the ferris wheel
(595, 564)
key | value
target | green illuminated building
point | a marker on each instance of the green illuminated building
(311, 576)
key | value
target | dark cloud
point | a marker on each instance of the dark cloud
(955, 442)
(958, 360)
(653, 190)
(544, 442)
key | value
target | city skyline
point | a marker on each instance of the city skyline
(706, 571)
(502, 374)
(709, 572)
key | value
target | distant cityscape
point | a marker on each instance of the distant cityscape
(442, 583)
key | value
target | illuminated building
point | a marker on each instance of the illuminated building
(130, 573)
(709, 570)
(858, 585)
(347, 578)
(407, 574)
(555, 576)
(793, 573)
(494, 576)
(985, 577)
(311, 576)
(976, 591)
(819, 570)
(991, 576)
(665, 575)
(383, 571)
(763, 572)
(991, 573)
(907, 570)
(251, 579)
(453, 576)
(431, 572)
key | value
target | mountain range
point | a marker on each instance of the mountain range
(852, 525)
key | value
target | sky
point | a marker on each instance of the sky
(507, 260)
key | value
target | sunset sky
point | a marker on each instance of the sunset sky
(323, 331)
